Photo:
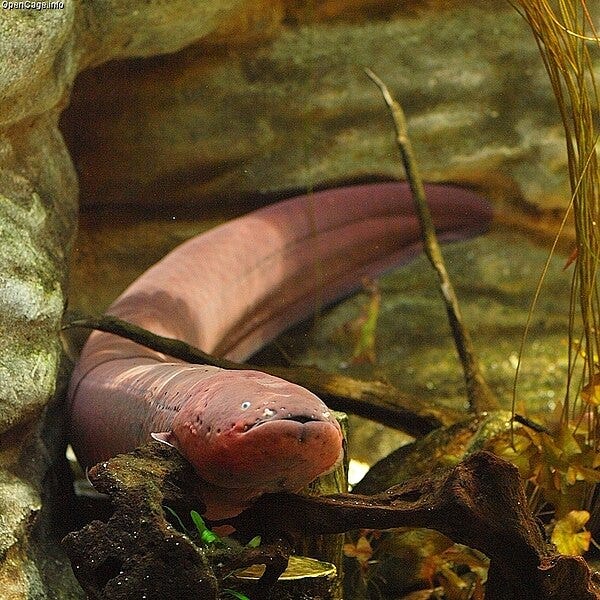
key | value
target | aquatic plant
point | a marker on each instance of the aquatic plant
(564, 457)
(206, 537)
(430, 563)
(558, 460)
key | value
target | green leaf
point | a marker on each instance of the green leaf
(254, 542)
(182, 527)
(235, 594)
(366, 326)
(206, 535)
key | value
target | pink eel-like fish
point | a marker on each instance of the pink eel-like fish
(229, 291)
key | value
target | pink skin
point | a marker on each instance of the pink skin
(230, 291)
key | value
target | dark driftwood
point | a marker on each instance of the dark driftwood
(137, 553)
(374, 400)
(479, 503)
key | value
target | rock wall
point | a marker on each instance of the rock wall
(41, 52)
(269, 96)
(240, 113)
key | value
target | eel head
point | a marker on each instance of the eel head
(247, 433)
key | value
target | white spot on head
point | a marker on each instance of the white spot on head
(326, 414)
(268, 413)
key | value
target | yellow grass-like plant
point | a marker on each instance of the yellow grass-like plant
(565, 33)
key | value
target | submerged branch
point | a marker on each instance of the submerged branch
(374, 400)
(479, 503)
(480, 396)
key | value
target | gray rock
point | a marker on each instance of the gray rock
(40, 54)
(37, 215)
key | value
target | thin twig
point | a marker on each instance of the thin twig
(165, 345)
(479, 394)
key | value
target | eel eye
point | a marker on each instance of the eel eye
(245, 405)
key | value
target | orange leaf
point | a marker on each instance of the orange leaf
(591, 391)
(361, 550)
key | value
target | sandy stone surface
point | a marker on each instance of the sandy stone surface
(41, 52)
(231, 117)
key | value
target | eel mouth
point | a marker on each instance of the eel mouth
(282, 452)
(302, 419)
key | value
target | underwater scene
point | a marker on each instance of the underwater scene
(299, 300)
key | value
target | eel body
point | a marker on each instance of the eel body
(229, 291)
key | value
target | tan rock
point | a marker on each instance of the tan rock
(37, 61)
(122, 29)
(226, 119)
